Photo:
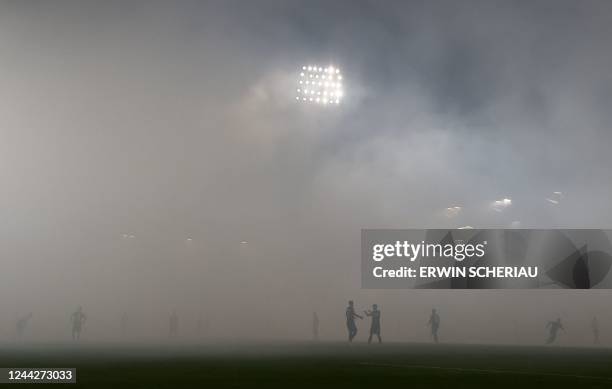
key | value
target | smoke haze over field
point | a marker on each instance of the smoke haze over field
(177, 120)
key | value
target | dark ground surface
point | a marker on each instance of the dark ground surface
(313, 365)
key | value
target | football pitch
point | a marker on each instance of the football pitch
(321, 364)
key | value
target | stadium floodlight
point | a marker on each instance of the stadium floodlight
(323, 83)
(500, 205)
(453, 211)
(555, 199)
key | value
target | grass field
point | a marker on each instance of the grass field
(329, 365)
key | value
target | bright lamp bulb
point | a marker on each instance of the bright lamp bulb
(323, 85)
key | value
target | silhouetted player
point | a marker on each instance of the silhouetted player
(124, 323)
(22, 324)
(202, 325)
(554, 326)
(595, 328)
(199, 324)
(350, 320)
(434, 324)
(375, 327)
(315, 326)
(173, 324)
(78, 319)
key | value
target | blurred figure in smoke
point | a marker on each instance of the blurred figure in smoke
(201, 325)
(315, 326)
(375, 326)
(124, 323)
(173, 324)
(434, 324)
(78, 319)
(595, 329)
(22, 324)
(350, 320)
(554, 326)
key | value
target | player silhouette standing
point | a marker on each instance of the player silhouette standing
(174, 324)
(350, 320)
(124, 323)
(595, 329)
(199, 324)
(554, 326)
(78, 319)
(375, 327)
(434, 324)
(22, 324)
(315, 326)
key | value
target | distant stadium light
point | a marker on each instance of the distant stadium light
(500, 205)
(453, 211)
(555, 199)
(332, 86)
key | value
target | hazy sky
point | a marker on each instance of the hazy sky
(169, 120)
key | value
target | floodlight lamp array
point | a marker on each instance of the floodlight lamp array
(320, 85)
